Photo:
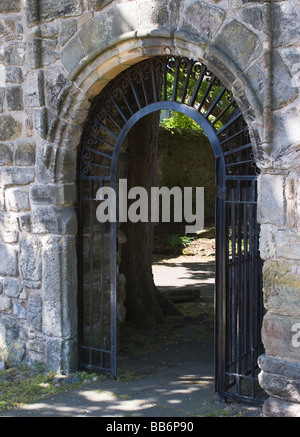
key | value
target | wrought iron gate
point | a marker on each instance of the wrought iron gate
(187, 86)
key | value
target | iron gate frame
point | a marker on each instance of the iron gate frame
(224, 168)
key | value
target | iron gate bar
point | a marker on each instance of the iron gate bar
(141, 90)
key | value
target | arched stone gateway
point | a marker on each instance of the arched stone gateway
(187, 86)
(55, 59)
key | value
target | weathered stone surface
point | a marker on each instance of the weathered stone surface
(54, 220)
(122, 20)
(16, 176)
(34, 312)
(14, 98)
(14, 74)
(17, 200)
(6, 154)
(97, 5)
(9, 6)
(16, 352)
(5, 303)
(6, 27)
(25, 222)
(8, 228)
(9, 128)
(25, 154)
(68, 28)
(282, 287)
(50, 9)
(274, 407)
(280, 338)
(204, 18)
(153, 14)
(286, 26)
(9, 260)
(12, 287)
(2, 96)
(94, 34)
(65, 171)
(53, 194)
(72, 54)
(56, 84)
(59, 287)
(239, 43)
(284, 92)
(30, 261)
(271, 199)
(14, 54)
(19, 311)
(253, 16)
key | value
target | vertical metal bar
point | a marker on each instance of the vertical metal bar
(198, 85)
(175, 82)
(113, 294)
(239, 289)
(253, 280)
(154, 84)
(91, 248)
(220, 284)
(187, 80)
(135, 93)
(80, 273)
(213, 78)
(101, 290)
(165, 82)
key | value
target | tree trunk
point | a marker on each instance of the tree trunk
(145, 306)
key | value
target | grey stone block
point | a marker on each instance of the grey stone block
(25, 154)
(17, 200)
(6, 27)
(72, 55)
(14, 54)
(5, 303)
(239, 43)
(204, 18)
(30, 261)
(34, 312)
(14, 97)
(48, 10)
(56, 220)
(9, 260)
(10, 6)
(12, 287)
(17, 176)
(6, 154)
(14, 74)
(53, 194)
(97, 5)
(94, 34)
(9, 128)
(19, 311)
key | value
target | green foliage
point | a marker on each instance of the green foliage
(179, 120)
(175, 240)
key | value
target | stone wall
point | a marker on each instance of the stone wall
(186, 159)
(55, 57)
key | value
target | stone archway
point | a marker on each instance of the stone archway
(136, 93)
(56, 59)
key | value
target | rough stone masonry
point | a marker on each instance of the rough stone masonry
(55, 57)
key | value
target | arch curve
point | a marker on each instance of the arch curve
(166, 82)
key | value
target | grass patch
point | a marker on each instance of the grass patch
(22, 385)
